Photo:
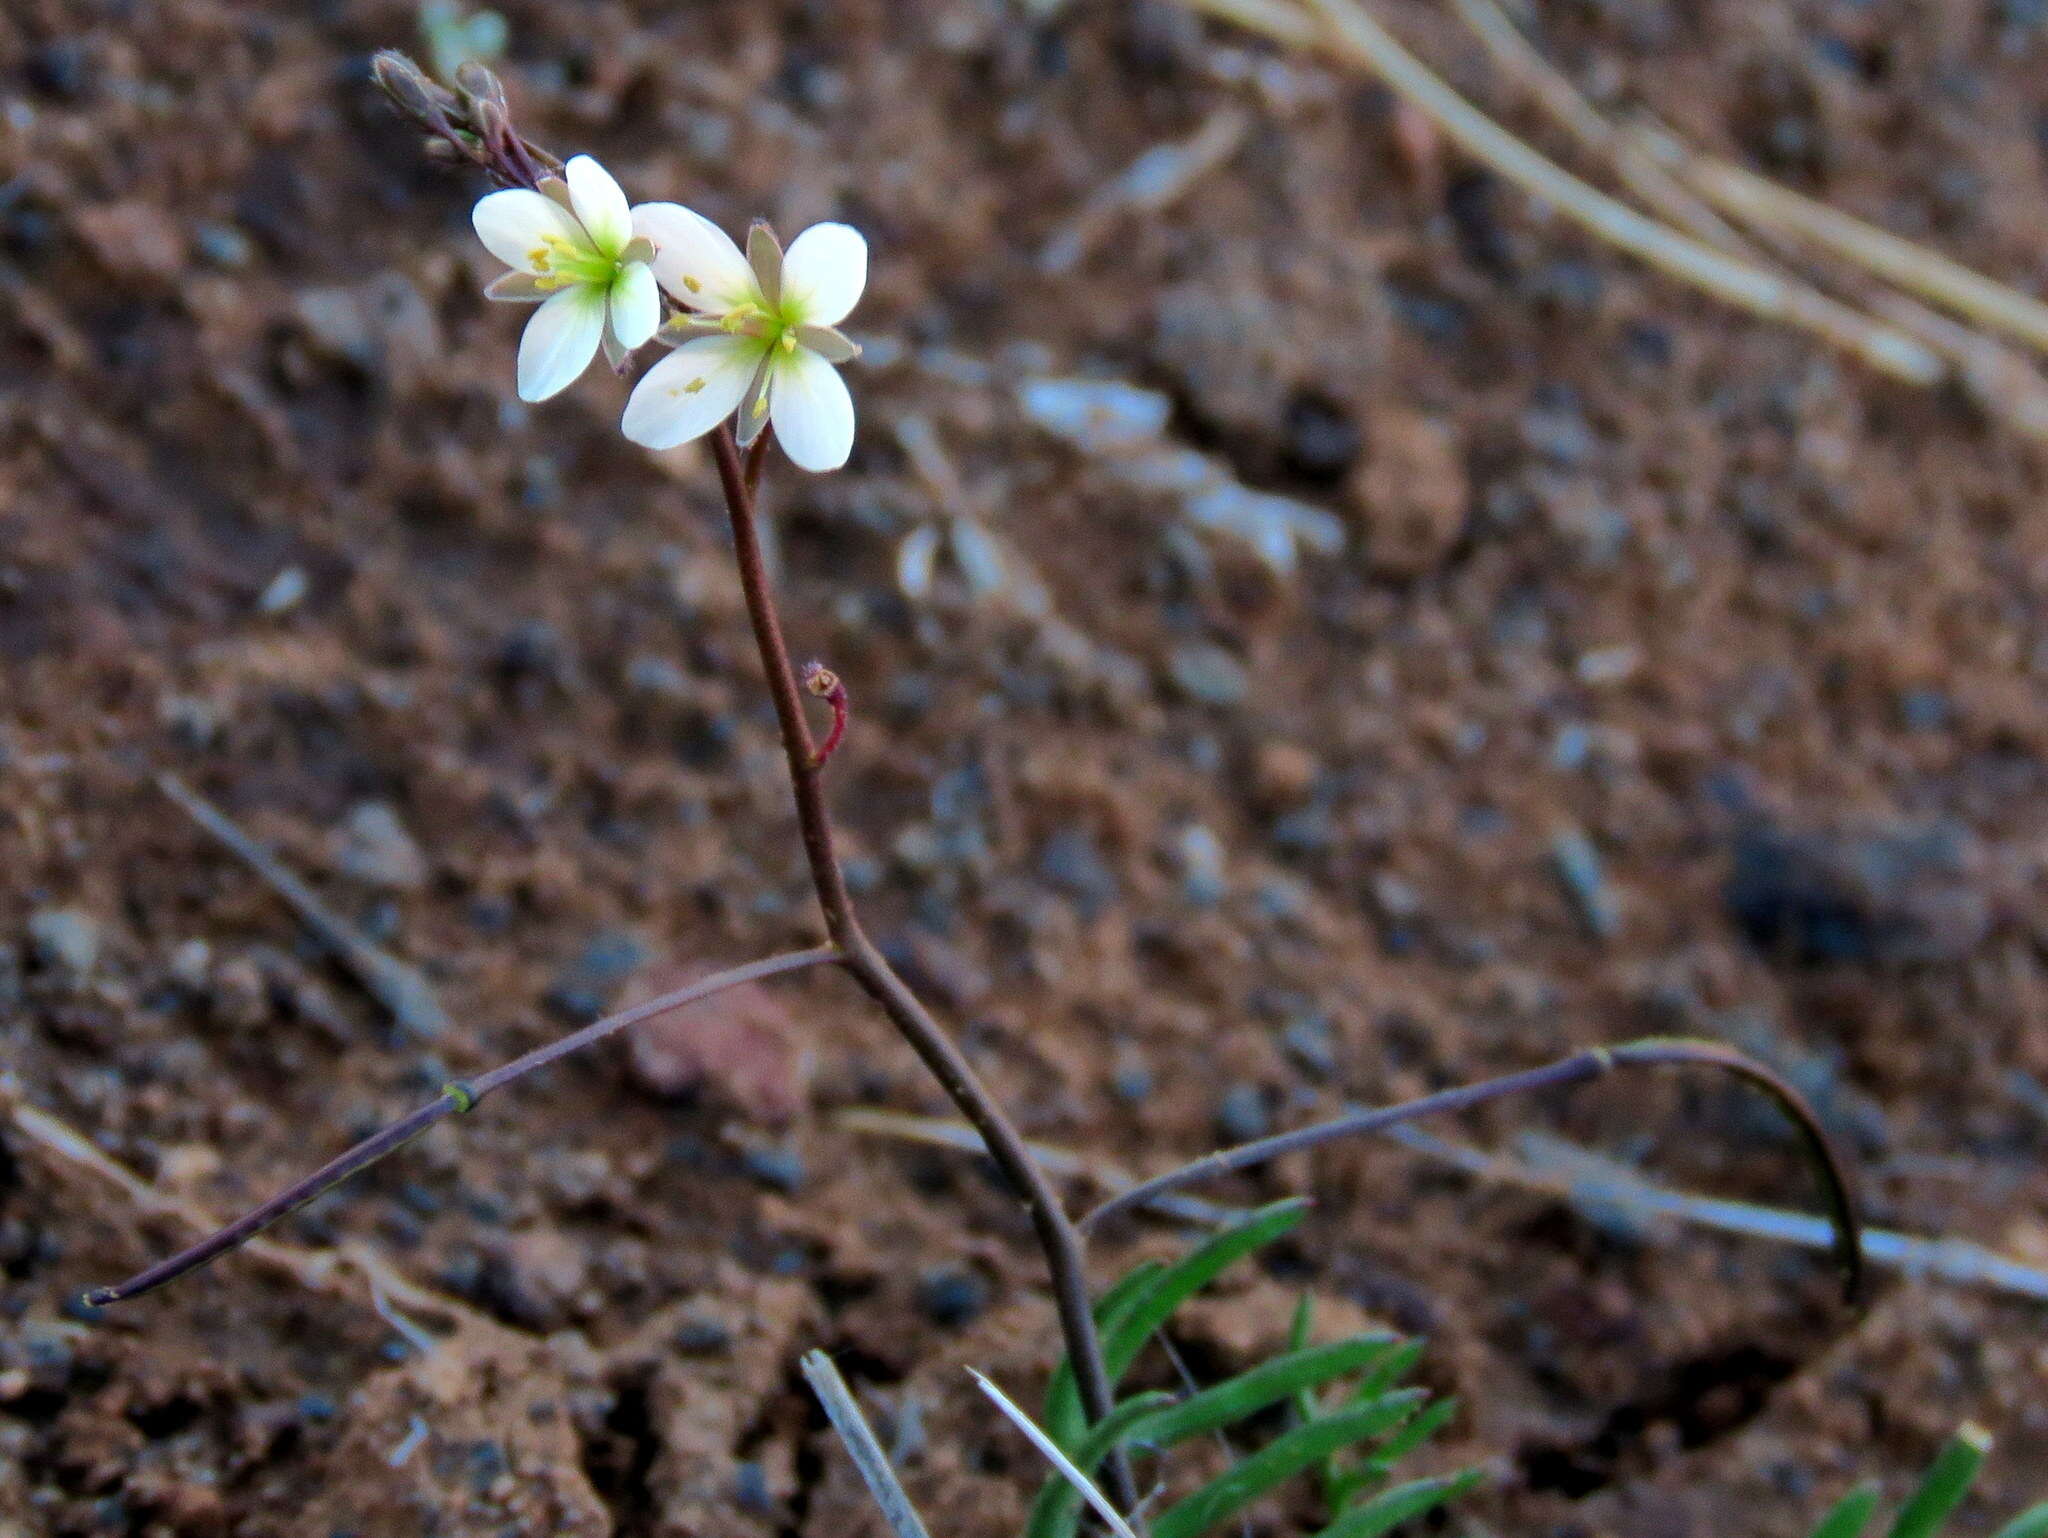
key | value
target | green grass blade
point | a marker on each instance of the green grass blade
(1278, 1462)
(1299, 1330)
(1303, 1322)
(1152, 1306)
(1254, 1390)
(1057, 1511)
(1390, 1452)
(1944, 1485)
(1118, 1299)
(1851, 1514)
(1397, 1366)
(2032, 1523)
(1404, 1503)
(1308, 1404)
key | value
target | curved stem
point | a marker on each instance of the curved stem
(456, 1097)
(1654, 1051)
(1056, 1233)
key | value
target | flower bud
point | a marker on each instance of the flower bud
(479, 85)
(410, 90)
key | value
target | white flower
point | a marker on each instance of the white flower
(577, 250)
(761, 338)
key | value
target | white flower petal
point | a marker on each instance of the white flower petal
(636, 306)
(812, 411)
(690, 391)
(599, 204)
(823, 272)
(694, 259)
(516, 223)
(559, 341)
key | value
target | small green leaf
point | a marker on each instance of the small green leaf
(1252, 1391)
(2032, 1523)
(1404, 1503)
(1372, 1470)
(1280, 1461)
(1397, 1366)
(1303, 1322)
(1117, 1301)
(1944, 1485)
(1850, 1514)
(1298, 1332)
(1151, 1306)
(1057, 1511)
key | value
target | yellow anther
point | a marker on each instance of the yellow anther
(693, 387)
(692, 284)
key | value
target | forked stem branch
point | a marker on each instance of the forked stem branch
(1057, 1235)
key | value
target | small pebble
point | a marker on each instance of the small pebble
(1209, 675)
(1071, 862)
(777, 1166)
(1322, 441)
(1199, 853)
(1609, 664)
(1309, 1041)
(1095, 414)
(750, 1489)
(585, 988)
(1924, 710)
(702, 1335)
(1241, 1115)
(223, 246)
(59, 69)
(284, 592)
(372, 846)
(64, 940)
(951, 1297)
(1577, 865)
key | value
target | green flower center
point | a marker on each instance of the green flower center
(559, 262)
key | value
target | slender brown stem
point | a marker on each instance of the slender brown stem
(1655, 1051)
(1057, 1236)
(456, 1097)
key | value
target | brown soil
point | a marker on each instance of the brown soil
(1772, 635)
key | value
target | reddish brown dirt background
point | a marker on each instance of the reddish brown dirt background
(1772, 635)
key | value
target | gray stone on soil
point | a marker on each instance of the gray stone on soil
(1071, 862)
(584, 988)
(952, 1298)
(1242, 1115)
(1577, 866)
(1199, 853)
(372, 846)
(1899, 895)
(776, 1166)
(64, 939)
(1309, 1040)
(1208, 675)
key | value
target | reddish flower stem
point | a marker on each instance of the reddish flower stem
(1057, 1235)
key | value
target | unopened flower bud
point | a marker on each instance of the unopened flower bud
(409, 88)
(480, 85)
